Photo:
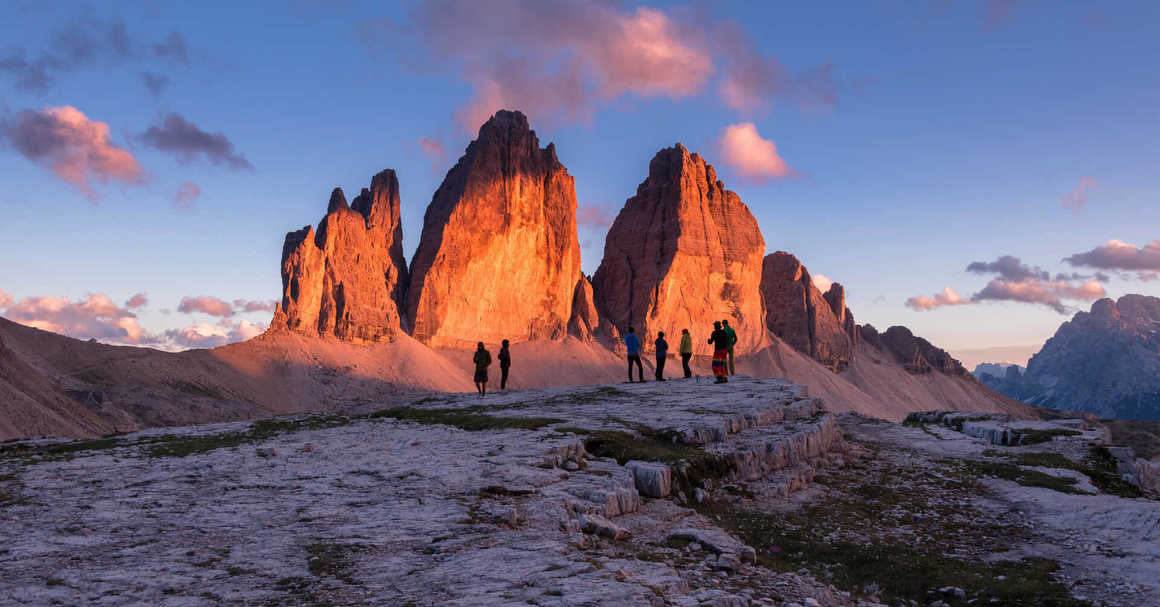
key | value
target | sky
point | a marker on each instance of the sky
(977, 170)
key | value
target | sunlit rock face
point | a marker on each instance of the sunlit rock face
(915, 354)
(683, 252)
(499, 256)
(348, 279)
(798, 313)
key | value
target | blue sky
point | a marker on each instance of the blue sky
(956, 131)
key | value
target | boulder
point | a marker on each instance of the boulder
(798, 313)
(499, 256)
(348, 279)
(683, 252)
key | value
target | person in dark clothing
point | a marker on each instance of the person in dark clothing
(662, 347)
(686, 351)
(632, 345)
(482, 360)
(720, 341)
(505, 363)
(732, 342)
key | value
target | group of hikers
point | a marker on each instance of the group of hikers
(722, 339)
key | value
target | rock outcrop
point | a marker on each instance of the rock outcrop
(917, 355)
(814, 324)
(348, 279)
(1106, 361)
(683, 252)
(499, 257)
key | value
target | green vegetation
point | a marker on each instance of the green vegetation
(1027, 478)
(690, 463)
(336, 560)
(465, 419)
(1035, 437)
(263, 429)
(909, 532)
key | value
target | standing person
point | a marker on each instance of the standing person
(732, 342)
(662, 347)
(505, 363)
(482, 360)
(720, 341)
(632, 344)
(686, 350)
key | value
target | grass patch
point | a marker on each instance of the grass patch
(1035, 437)
(64, 450)
(1027, 478)
(466, 419)
(335, 560)
(864, 533)
(1101, 468)
(690, 463)
(263, 429)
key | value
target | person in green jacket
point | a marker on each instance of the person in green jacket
(686, 351)
(732, 342)
(482, 360)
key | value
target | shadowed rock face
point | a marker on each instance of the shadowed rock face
(915, 354)
(1106, 361)
(798, 313)
(349, 278)
(499, 257)
(683, 252)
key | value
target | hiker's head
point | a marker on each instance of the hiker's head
(725, 323)
(684, 331)
(480, 346)
(632, 330)
(716, 324)
(660, 333)
(505, 343)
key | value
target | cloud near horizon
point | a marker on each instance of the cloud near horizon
(188, 142)
(75, 148)
(209, 335)
(1120, 256)
(94, 317)
(754, 158)
(562, 60)
(595, 216)
(138, 300)
(213, 306)
(1019, 282)
(822, 282)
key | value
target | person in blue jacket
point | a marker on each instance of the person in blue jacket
(632, 344)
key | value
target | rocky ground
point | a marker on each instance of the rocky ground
(681, 493)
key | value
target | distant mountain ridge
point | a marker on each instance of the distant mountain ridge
(1106, 362)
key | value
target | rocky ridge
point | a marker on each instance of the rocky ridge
(683, 252)
(816, 324)
(499, 256)
(1106, 362)
(347, 280)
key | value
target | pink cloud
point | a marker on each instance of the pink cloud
(243, 305)
(206, 305)
(751, 156)
(947, 297)
(822, 282)
(752, 80)
(434, 150)
(94, 317)
(559, 59)
(1120, 255)
(5, 299)
(1077, 197)
(186, 195)
(595, 216)
(209, 335)
(137, 300)
(73, 147)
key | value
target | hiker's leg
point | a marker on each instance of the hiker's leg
(732, 369)
(685, 363)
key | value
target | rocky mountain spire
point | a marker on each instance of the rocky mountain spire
(798, 313)
(683, 252)
(499, 257)
(349, 278)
